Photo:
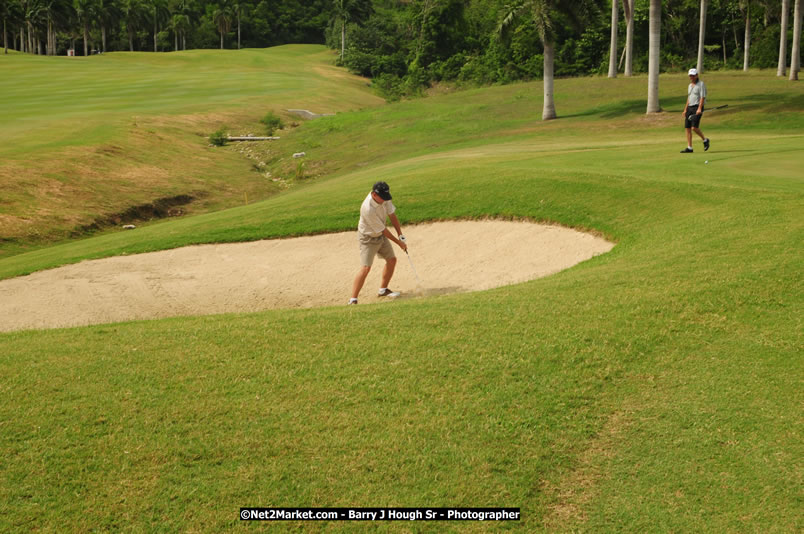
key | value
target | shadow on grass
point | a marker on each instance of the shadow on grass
(611, 111)
(754, 153)
(772, 102)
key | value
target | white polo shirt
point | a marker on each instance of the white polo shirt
(695, 92)
(373, 216)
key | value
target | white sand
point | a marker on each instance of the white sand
(287, 273)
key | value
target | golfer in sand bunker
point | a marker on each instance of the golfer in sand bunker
(375, 239)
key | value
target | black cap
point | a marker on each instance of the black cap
(382, 189)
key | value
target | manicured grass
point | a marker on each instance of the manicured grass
(94, 136)
(655, 388)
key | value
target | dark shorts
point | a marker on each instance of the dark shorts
(693, 120)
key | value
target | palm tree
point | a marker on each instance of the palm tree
(108, 15)
(8, 12)
(180, 24)
(56, 13)
(132, 13)
(347, 11)
(180, 21)
(222, 17)
(795, 50)
(613, 46)
(4, 13)
(628, 8)
(544, 14)
(745, 6)
(159, 13)
(32, 11)
(701, 35)
(85, 11)
(653, 56)
(239, 8)
(780, 69)
(342, 14)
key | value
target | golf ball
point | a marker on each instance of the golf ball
(707, 161)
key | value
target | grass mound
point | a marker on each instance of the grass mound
(126, 129)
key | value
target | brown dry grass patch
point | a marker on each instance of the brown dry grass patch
(579, 487)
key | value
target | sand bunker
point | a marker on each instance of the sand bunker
(287, 273)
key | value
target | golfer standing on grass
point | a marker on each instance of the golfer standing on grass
(376, 239)
(696, 95)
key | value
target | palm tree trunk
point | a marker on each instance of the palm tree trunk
(156, 30)
(629, 39)
(183, 40)
(549, 108)
(130, 39)
(86, 37)
(103, 37)
(701, 36)
(653, 55)
(343, 38)
(795, 50)
(221, 39)
(780, 69)
(238, 29)
(613, 46)
(747, 40)
(5, 37)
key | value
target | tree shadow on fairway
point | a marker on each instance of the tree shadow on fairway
(753, 153)
(767, 102)
(772, 102)
(625, 107)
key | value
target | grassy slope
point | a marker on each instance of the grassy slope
(654, 388)
(125, 129)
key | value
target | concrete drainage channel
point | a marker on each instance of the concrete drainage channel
(305, 114)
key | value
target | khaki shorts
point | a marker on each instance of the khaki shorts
(373, 246)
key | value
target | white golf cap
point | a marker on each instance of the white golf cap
(693, 72)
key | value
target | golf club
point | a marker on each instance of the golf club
(402, 238)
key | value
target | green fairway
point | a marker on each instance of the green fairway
(95, 136)
(654, 388)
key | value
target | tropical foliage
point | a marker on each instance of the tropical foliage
(404, 45)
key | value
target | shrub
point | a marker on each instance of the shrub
(272, 122)
(389, 86)
(219, 137)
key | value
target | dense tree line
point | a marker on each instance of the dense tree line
(402, 44)
(53, 26)
(405, 45)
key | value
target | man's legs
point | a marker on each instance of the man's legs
(704, 139)
(697, 131)
(362, 274)
(367, 252)
(388, 271)
(689, 137)
(360, 279)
